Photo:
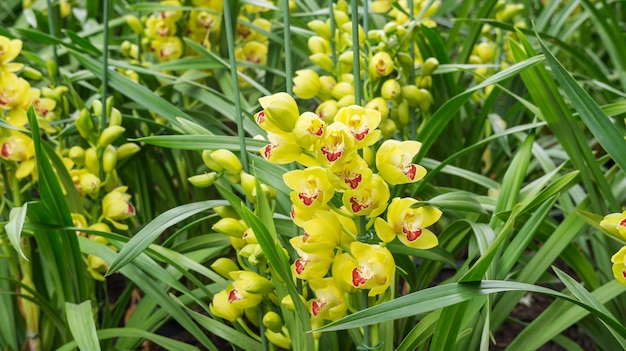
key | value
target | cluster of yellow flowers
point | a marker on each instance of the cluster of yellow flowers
(160, 36)
(391, 87)
(16, 97)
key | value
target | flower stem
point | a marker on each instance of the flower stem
(358, 93)
(366, 329)
(287, 42)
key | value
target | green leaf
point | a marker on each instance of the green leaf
(456, 201)
(114, 333)
(596, 120)
(13, 228)
(153, 230)
(81, 322)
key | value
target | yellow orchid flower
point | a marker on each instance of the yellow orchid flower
(311, 188)
(337, 144)
(308, 130)
(222, 305)
(394, 162)
(158, 28)
(279, 115)
(381, 64)
(321, 233)
(171, 15)
(368, 267)
(203, 21)
(251, 282)
(369, 199)
(615, 224)
(255, 52)
(14, 96)
(306, 84)
(362, 124)
(17, 147)
(167, 49)
(282, 149)
(327, 110)
(408, 224)
(619, 265)
(310, 265)
(215, 5)
(9, 49)
(329, 302)
(116, 207)
(350, 174)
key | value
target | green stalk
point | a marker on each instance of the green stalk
(51, 29)
(366, 329)
(358, 93)
(230, 38)
(105, 64)
(333, 47)
(412, 115)
(288, 54)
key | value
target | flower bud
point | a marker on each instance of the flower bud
(223, 266)
(347, 58)
(485, 51)
(320, 28)
(237, 243)
(89, 183)
(77, 155)
(134, 23)
(96, 267)
(53, 69)
(110, 181)
(306, 84)
(227, 160)
(405, 61)
(279, 339)
(425, 99)
(404, 116)
(379, 104)
(426, 82)
(115, 117)
(509, 11)
(203, 180)
(109, 134)
(84, 124)
(381, 64)
(279, 115)
(272, 321)
(326, 86)
(345, 101)
(230, 226)
(287, 301)
(116, 206)
(91, 160)
(388, 127)
(318, 45)
(126, 150)
(411, 94)
(109, 159)
(31, 73)
(323, 61)
(391, 89)
(209, 162)
(429, 66)
(342, 89)
(249, 236)
(327, 110)
(225, 212)
(251, 282)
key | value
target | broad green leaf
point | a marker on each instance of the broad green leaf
(80, 319)
(456, 201)
(153, 230)
(113, 333)
(13, 228)
(596, 120)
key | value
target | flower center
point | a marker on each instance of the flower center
(234, 295)
(317, 305)
(359, 204)
(260, 117)
(360, 275)
(300, 264)
(623, 222)
(353, 179)
(7, 150)
(412, 234)
(410, 170)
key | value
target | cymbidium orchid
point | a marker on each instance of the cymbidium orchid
(283, 148)
(310, 265)
(117, 207)
(362, 123)
(619, 265)
(350, 174)
(409, 224)
(367, 266)
(222, 305)
(368, 200)
(308, 130)
(615, 224)
(15, 97)
(9, 49)
(279, 115)
(306, 84)
(329, 302)
(337, 144)
(321, 233)
(394, 161)
(311, 187)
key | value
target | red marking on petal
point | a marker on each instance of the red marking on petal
(234, 295)
(316, 307)
(292, 213)
(6, 150)
(622, 223)
(331, 156)
(267, 151)
(624, 273)
(354, 182)
(300, 264)
(260, 117)
(130, 209)
(306, 199)
(412, 235)
(357, 278)
(360, 136)
(410, 171)
(319, 132)
(305, 237)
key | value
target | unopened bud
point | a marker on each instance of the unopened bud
(391, 89)
(91, 160)
(77, 155)
(223, 266)
(203, 180)
(379, 104)
(411, 94)
(53, 69)
(227, 160)
(109, 159)
(323, 61)
(84, 124)
(32, 73)
(425, 99)
(251, 282)
(109, 134)
(306, 84)
(126, 150)
(89, 183)
(134, 23)
(115, 118)
(230, 226)
(387, 128)
(429, 66)
(209, 162)
(272, 321)
(342, 89)
(318, 45)
(320, 28)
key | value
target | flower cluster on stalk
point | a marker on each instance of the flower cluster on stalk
(615, 224)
